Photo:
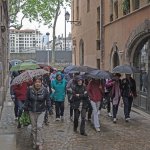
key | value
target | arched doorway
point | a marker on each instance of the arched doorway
(81, 53)
(138, 55)
(141, 60)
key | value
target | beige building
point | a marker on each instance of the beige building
(114, 32)
(4, 53)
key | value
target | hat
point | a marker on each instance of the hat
(79, 78)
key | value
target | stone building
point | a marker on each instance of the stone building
(4, 53)
(114, 32)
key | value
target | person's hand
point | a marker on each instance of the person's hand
(77, 95)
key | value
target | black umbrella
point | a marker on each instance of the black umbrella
(127, 69)
(69, 68)
(99, 74)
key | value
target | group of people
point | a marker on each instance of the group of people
(85, 96)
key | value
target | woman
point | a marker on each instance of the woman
(59, 92)
(95, 92)
(37, 102)
(80, 105)
(115, 94)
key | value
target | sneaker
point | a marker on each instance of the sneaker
(109, 114)
(97, 129)
(57, 119)
(114, 120)
(16, 118)
(62, 118)
(127, 119)
(84, 134)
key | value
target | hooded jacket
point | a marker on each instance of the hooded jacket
(59, 89)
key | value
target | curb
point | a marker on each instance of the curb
(138, 111)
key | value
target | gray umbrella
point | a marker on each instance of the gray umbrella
(99, 74)
(127, 69)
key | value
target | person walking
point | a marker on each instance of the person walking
(80, 105)
(128, 94)
(59, 92)
(95, 92)
(36, 103)
(115, 94)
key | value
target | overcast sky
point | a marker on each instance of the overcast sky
(60, 28)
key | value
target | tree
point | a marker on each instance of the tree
(46, 11)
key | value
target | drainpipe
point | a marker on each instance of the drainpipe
(101, 34)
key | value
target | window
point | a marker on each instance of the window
(98, 63)
(135, 4)
(98, 44)
(126, 7)
(88, 5)
(77, 10)
(111, 10)
(116, 8)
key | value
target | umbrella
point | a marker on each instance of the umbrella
(74, 68)
(25, 66)
(15, 62)
(30, 61)
(28, 75)
(99, 74)
(127, 69)
(69, 68)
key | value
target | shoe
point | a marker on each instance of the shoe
(127, 119)
(71, 118)
(97, 129)
(19, 126)
(40, 147)
(84, 134)
(62, 118)
(114, 120)
(109, 114)
(16, 118)
(57, 119)
(75, 130)
(98, 112)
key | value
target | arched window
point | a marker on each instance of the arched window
(115, 59)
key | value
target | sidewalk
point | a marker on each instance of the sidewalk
(60, 136)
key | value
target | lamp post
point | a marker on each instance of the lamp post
(48, 48)
(67, 17)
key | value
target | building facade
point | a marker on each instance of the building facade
(25, 40)
(118, 34)
(4, 52)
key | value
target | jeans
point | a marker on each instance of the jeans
(115, 109)
(59, 107)
(37, 124)
(127, 106)
(20, 107)
(107, 97)
(16, 108)
(76, 118)
(95, 118)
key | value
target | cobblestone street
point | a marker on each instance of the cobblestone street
(60, 136)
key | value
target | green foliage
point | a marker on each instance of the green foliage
(35, 10)
(126, 6)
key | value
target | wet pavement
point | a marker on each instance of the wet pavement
(134, 135)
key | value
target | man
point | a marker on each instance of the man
(128, 93)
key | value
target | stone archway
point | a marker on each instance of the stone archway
(81, 52)
(137, 36)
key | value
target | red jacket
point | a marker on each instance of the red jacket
(94, 91)
(20, 91)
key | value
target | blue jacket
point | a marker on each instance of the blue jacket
(59, 90)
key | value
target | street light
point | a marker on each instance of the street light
(48, 48)
(67, 17)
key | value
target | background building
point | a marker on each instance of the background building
(60, 43)
(4, 53)
(25, 40)
(111, 33)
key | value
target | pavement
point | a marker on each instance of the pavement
(60, 136)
